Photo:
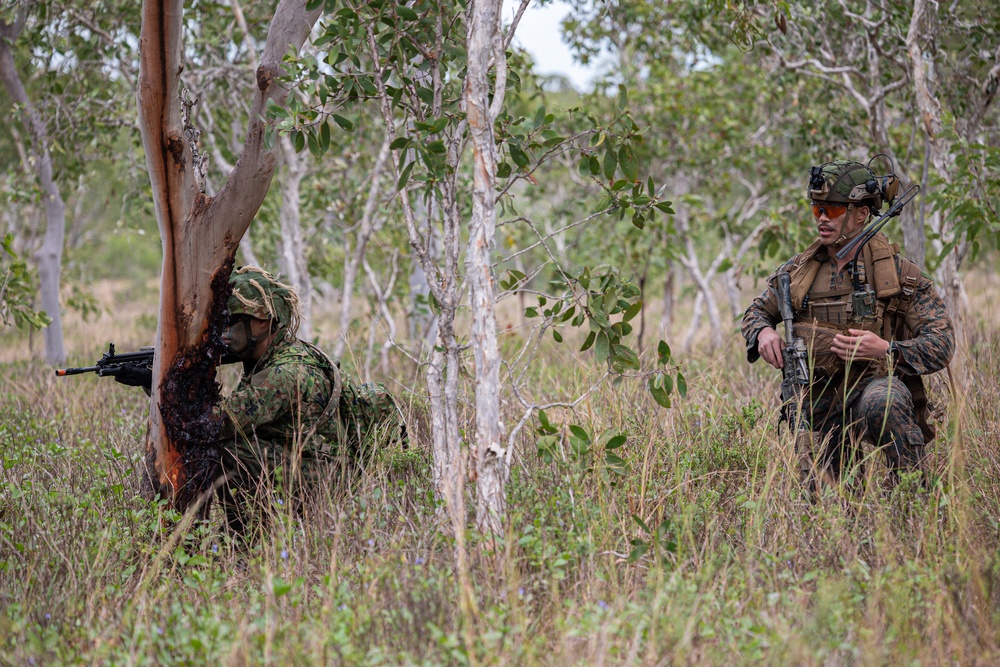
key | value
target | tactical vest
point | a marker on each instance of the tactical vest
(821, 314)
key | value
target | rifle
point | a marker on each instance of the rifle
(113, 364)
(795, 370)
(863, 301)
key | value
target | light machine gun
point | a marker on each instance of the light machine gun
(113, 364)
(795, 369)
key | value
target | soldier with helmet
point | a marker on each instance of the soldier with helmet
(293, 409)
(294, 412)
(872, 324)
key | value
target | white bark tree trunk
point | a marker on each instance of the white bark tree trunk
(370, 224)
(200, 235)
(949, 281)
(49, 256)
(293, 256)
(492, 454)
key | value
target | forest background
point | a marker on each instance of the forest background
(648, 511)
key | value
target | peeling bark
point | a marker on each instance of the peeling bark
(200, 236)
(949, 281)
(492, 454)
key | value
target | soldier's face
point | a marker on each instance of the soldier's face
(834, 222)
(236, 335)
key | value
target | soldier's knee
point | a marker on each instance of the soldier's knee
(885, 396)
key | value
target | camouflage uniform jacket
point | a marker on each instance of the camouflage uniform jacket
(285, 398)
(295, 391)
(926, 345)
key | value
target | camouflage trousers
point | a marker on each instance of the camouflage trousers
(259, 476)
(831, 428)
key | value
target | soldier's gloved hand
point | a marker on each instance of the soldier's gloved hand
(134, 376)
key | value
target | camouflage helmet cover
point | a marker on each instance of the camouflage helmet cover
(259, 294)
(845, 182)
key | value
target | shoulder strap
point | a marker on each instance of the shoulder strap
(332, 371)
(803, 272)
(909, 277)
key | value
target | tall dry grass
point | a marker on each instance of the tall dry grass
(737, 565)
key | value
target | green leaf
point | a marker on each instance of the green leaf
(663, 351)
(590, 341)
(405, 175)
(658, 393)
(313, 144)
(399, 142)
(626, 356)
(595, 166)
(503, 170)
(298, 140)
(540, 117)
(622, 97)
(324, 136)
(406, 13)
(343, 122)
(616, 442)
(579, 433)
(682, 387)
(632, 311)
(557, 336)
(518, 156)
(629, 163)
(665, 207)
(602, 346)
(610, 163)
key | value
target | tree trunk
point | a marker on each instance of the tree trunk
(200, 235)
(937, 154)
(293, 256)
(492, 454)
(49, 256)
(667, 316)
(369, 225)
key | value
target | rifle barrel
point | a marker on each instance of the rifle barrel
(61, 372)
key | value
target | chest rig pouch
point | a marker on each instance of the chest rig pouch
(821, 315)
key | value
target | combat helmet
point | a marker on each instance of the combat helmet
(847, 182)
(259, 294)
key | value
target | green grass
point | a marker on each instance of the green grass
(736, 565)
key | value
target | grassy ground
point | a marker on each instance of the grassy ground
(739, 567)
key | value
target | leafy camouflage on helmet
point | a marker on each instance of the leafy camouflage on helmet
(259, 294)
(844, 182)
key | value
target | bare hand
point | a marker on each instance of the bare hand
(860, 344)
(770, 345)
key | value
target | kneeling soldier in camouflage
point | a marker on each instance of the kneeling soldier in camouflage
(293, 410)
(872, 325)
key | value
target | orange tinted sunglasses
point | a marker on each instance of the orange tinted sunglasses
(832, 210)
